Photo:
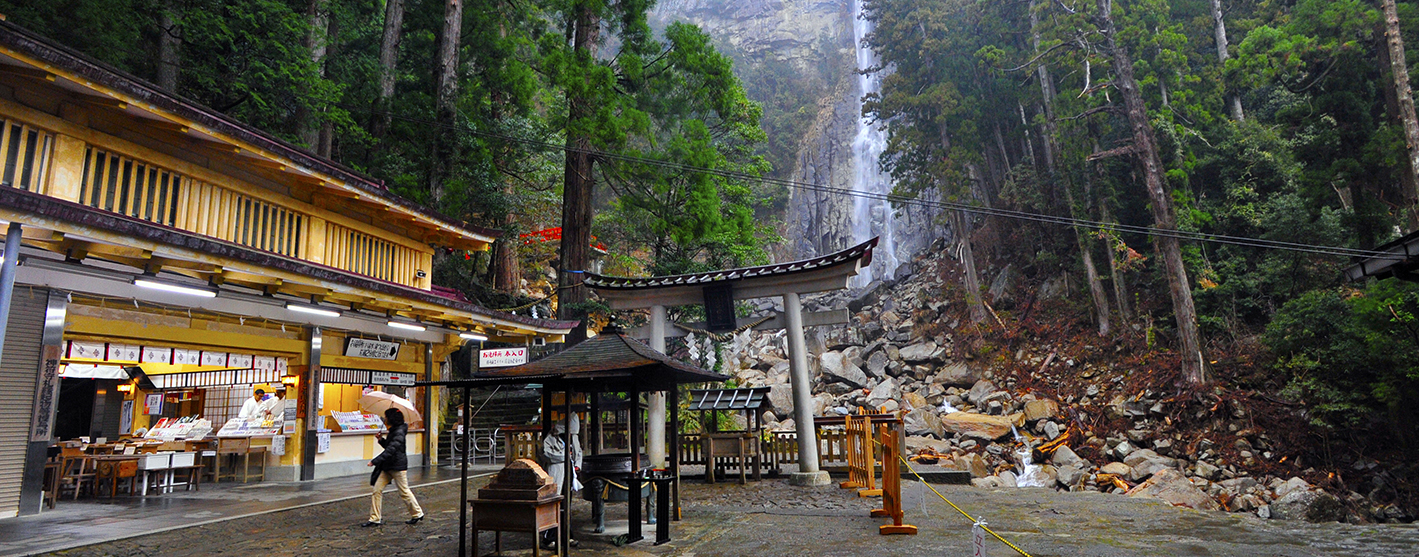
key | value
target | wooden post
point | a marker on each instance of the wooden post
(892, 482)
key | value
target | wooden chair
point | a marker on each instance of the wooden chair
(53, 470)
(76, 471)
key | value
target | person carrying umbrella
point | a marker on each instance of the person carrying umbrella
(392, 465)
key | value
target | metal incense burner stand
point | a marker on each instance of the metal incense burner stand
(608, 481)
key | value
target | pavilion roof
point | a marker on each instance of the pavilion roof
(611, 361)
(730, 399)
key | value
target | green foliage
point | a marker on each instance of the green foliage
(1351, 356)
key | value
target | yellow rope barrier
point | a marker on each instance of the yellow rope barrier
(953, 505)
(958, 509)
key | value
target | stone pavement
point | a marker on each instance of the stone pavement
(90, 521)
(773, 518)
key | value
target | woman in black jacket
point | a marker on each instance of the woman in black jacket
(392, 466)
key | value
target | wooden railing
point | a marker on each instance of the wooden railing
(26, 152)
(52, 156)
(142, 190)
(367, 255)
(781, 447)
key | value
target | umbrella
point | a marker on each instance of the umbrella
(376, 402)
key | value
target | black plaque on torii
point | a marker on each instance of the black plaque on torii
(719, 308)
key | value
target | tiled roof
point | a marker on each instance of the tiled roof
(611, 357)
(729, 399)
(847, 256)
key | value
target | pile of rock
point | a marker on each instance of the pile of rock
(898, 355)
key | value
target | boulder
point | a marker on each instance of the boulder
(917, 353)
(980, 390)
(957, 375)
(914, 423)
(1174, 488)
(877, 364)
(988, 482)
(916, 443)
(1122, 450)
(781, 398)
(1289, 486)
(1008, 478)
(1064, 456)
(970, 462)
(1041, 409)
(1305, 504)
(839, 368)
(980, 426)
(1205, 470)
(1070, 476)
(1116, 468)
(882, 393)
(1145, 462)
(914, 400)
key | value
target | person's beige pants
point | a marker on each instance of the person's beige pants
(401, 482)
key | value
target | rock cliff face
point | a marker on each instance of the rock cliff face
(813, 40)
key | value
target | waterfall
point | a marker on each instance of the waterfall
(872, 215)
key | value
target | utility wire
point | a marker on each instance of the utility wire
(899, 200)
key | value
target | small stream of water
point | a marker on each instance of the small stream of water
(1030, 474)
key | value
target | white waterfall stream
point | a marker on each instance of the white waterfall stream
(872, 214)
(1030, 474)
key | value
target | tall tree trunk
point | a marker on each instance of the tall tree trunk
(324, 143)
(507, 270)
(1125, 313)
(318, 17)
(577, 181)
(1399, 70)
(960, 224)
(1051, 140)
(1189, 340)
(169, 43)
(1408, 181)
(1219, 31)
(445, 99)
(388, 64)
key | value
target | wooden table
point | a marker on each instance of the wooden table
(112, 468)
(535, 516)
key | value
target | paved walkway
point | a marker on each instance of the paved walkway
(761, 518)
(90, 521)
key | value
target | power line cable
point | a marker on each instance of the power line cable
(899, 200)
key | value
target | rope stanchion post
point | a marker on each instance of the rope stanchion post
(891, 483)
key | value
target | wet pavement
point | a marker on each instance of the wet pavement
(761, 518)
(89, 521)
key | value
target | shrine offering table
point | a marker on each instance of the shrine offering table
(534, 516)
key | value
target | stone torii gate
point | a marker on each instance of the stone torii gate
(718, 290)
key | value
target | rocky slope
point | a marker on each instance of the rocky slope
(982, 397)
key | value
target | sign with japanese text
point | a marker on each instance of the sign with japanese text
(376, 349)
(391, 378)
(502, 357)
(46, 394)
